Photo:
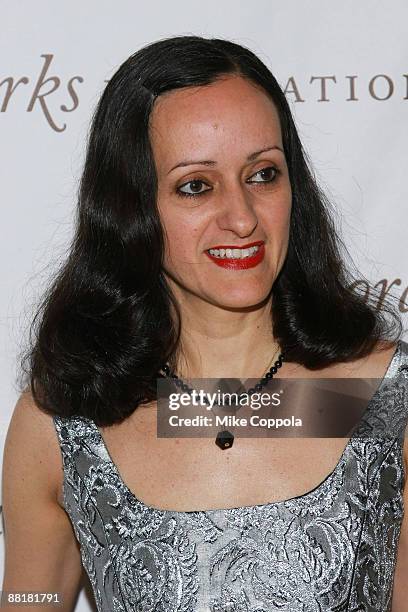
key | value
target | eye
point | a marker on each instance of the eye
(194, 187)
(266, 174)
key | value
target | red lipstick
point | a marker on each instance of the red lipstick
(238, 263)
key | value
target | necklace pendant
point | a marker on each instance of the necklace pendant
(224, 439)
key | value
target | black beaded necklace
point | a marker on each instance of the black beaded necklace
(225, 439)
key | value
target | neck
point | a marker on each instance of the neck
(220, 343)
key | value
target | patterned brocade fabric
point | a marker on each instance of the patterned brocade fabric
(331, 549)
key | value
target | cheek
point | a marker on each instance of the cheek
(277, 220)
(181, 238)
(284, 219)
(285, 208)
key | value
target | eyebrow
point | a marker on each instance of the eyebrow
(207, 162)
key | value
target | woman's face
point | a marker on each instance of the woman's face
(223, 184)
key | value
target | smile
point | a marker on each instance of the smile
(237, 259)
(234, 253)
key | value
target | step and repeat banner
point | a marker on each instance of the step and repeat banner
(344, 70)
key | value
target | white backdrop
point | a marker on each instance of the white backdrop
(344, 68)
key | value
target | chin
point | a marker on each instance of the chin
(241, 299)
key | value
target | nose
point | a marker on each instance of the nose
(236, 212)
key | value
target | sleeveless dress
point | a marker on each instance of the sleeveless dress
(332, 549)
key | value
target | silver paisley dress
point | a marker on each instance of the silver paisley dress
(331, 549)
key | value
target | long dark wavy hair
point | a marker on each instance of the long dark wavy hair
(108, 320)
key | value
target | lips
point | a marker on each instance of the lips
(238, 263)
(236, 246)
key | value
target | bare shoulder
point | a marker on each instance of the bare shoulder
(32, 439)
(41, 550)
(376, 363)
(373, 365)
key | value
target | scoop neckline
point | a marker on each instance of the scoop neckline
(261, 507)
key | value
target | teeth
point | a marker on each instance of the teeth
(234, 253)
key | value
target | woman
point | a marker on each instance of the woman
(193, 153)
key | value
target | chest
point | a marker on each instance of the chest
(194, 474)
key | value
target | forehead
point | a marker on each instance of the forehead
(230, 111)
